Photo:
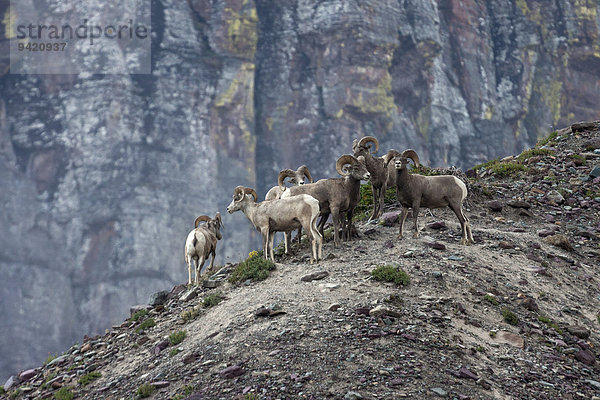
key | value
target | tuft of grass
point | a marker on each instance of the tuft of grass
(491, 299)
(390, 273)
(177, 337)
(139, 315)
(149, 323)
(251, 396)
(578, 159)
(212, 300)
(189, 315)
(534, 152)
(504, 170)
(50, 358)
(173, 352)
(549, 323)
(89, 378)
(2, 391)
(547, 140)
(364, 208)
(510, 317)
(486, 164)
(145, 390)
(493, 334)
(64, 393)
(255, 268)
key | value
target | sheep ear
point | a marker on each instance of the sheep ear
(218, 218)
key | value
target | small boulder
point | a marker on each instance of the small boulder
(232, 372)
(519, 204)
(315, 276)
(390, 218)
(554, 196)
(586, 357)
(559, 240)
(27, 375)
(579, 331)
(159, 298)
(494, 205)
(437, 225)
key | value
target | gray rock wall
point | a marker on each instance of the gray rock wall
(102, 176)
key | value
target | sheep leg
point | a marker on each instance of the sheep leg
(349, 226)
(190, 260)
(212, 260)
(335, 215)
(271, 238)
(288, 242)
(402, 219)
(316, 236)
(322, 221)
(265, 242)
(375, 203)
(467, 238)
(415, 210)
(199, 266)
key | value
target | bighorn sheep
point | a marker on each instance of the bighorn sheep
(378, 169)
(200, 243)
(296, 178)
(336, 195)
(417, 191)
(279, 215)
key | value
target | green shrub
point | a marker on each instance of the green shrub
(486, 164)
(503, 170)
(89, 378)
(364, 209)
(173, 352)
(390, 273)
(510, 317)
(212, 300)
(50, 358)
(251, 396)
(64, 393)
(549, 323)
(255, 268)
(145, 390)
(534, 152)
(547, 140)
(189, 315)
(491, 299)
(139, 315)
(149, 323)
(177, 337)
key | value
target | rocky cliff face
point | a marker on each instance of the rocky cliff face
(102, 176)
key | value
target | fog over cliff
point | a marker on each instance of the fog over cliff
(102, 175)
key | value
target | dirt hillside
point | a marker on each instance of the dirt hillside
(514, 316)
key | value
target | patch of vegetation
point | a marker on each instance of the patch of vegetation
(64, 393)
(328, 233)
(486, 164)
(251, 396)
(424, 170)
(549, 323)
(590, 148)
(577, 158)
(50, 358)
(390, 273)
(149, 323)
(145, 390)
(45, 384)
(504, 170)
(364, 209)
(139, 315)
(177, 337)
(185, 392)
(591, 194)
(488, 191)
(255, 268)
(493, 334)
(510, 317)
(189, 315)
(491, 299)
(212, 300)
(15, 394)
(534, 152)
(550, 139)
(173, 352)
(89, 378)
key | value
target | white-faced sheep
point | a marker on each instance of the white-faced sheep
(378, 169)
(417, 191)
(279, 215)
(296, 177)
(337, 196)
(202, 242)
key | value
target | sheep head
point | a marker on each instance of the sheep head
(239, 196)
(303, 170)
(364, 145)
(218, 225)
(348, 165)
(402, 159)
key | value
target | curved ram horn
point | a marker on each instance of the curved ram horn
(410, 153)
(390, 156)
(286, 173)
(369, 139)
(202, 218)
(304, 170)
(342, 162)
(252, 192)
